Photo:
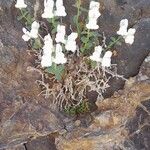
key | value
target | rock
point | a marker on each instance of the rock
(26, 115)
(115, 10)
(42, 143)
(30, 121)
(130, 58)
(23, 114)
(77, 123)
(144, 73)
(138, 127)
(109, 130)
(20, 147)
(105, 121)
(10, 27)
(6, 3)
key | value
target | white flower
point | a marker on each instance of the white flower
(34, 29)
(20, 4)
(26, 37)
(93, 15)
(128, 35)
(61, 32)
(48, 40)
(129, 38)
(60, 9)
(106, 61)
(123, 27)
(48, 9)
(31, 34)
(48, 45)
(71, 42)
(96, 55)
(59, 55)
(46, 60)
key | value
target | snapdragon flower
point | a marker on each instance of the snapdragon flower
(31, 34)
(60, 9)
(93, 15)
(48, 9)
(128, 35)
(34, 29)
(26, 36)
(123, 27)
(59, 55)
(48, 45)
(46, 60)
(106, 60)
(96, 55)
(71, 42)
(61, 32)
(20, 4)
(129, 38)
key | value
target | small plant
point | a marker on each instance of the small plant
(82, 108)
(26, 17)
(81, 61)
(58, 71)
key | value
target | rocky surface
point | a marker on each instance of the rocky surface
(111, 129)
(23, 114)
(42, 143)
(26, 117)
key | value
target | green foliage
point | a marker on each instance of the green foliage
(82, 108)
(88, 40)
(76, 17)
(25, 15)
(36, 44)
(90, 63)
(114, 41)
(57, 70)
(80, 8)
(53, 21)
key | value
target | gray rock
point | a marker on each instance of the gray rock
(24, 114)
(30, 121)
(42, 143)
(10, 28)
(19, 147)
(131, 57)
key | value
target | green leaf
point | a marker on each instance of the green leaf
(51, 69)
(93, 64)
(75, 19)
(37, 44)
(84, 32)
(113, 39)
(82, 49)
(59, 72)
(95, 34)
(29, 18)
(84, 39)
(22, 16)
(89, 45)
(54, 31)
(49, 20)
(119, 43)
(56, 70)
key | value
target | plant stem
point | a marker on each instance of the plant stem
(53, 22)
(78, 14)
(114, 42)
(22, 13)
(88, 35)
